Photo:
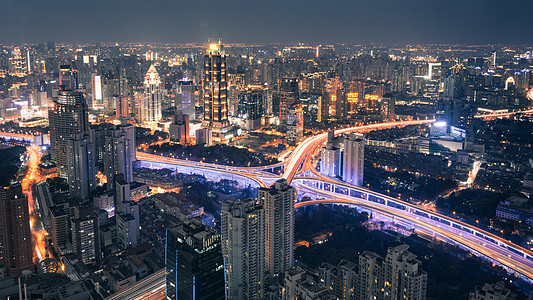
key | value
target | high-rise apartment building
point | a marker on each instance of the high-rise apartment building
(353, 159)
(16, 250)
(154, 94)
(243, 248)
(194, 263)
(278, 202)
(81, 169)
(86, 234)
(67, 116)
(330, 157)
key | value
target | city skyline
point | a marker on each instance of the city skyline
(387, 21)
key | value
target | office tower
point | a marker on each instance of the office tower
(215, 89)
(67, 116)
(59, 221)
(81, 171)
(204, 137)
(251, 107)
(119, 153)
(153, 96)
(68, 78)
(295, 124)
(97, 100)
(278, 202)
(179, 129)
(85, 234)
(353, 159)
(16, 249)
(243, 248)
(17, 63)
(185, 98)
(288, 96)
(194, 263)
(388, 108)
(330, 157)
(403, 277)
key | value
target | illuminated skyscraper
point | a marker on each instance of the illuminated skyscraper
(251, 107)
(278, 202)
(295, 124)
(194, 263)
(215, 89)
(388, 108)
(353, 159)
(153, 96)
(67, 116)
(16, 250)
(288, 95)
(330, 158)
(243, 247)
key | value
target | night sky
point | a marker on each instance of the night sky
(387, 21)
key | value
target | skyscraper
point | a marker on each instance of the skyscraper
(388, 108)
(215, 89)
(288, 96)
(194, 263)
(251, 107)
(353, 159)
(81, 171)
(119, 153)
(278, 202)
(243, 247)
(330, 158)
(16, 250)
(67, 116)
(153, 96)
(295, 124)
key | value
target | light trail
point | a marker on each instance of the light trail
(37, 228)
(497, 252)
(504, 115)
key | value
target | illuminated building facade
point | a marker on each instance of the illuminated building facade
(295, 124)
(194, 263)
(215, 89)
(243, 247)
(16, 250)
(288, 96)
(67, 116)
(388, 108)
(154, 94)
(353, 159)
(330, 158)
(251, 107)
(278, 202)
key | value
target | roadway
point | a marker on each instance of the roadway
(300, 162)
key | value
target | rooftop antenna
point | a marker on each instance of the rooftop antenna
(209, 39)
(220, 37)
